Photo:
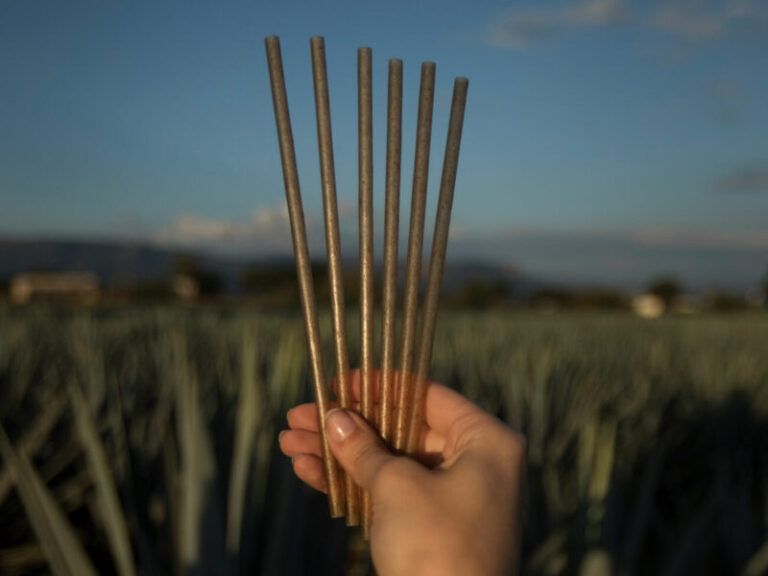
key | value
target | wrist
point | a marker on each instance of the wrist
(463, 559)
(463, 566)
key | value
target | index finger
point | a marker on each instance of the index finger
(443, 407)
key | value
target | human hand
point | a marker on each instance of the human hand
(454, 511)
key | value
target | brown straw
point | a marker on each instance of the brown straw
(333, 247)
(391, 216)
(437, 260)
(365, 209)
(413, 261)
(303, 270)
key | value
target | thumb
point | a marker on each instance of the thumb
(356, 446)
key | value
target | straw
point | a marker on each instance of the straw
(401, 429)
(333, 247)
(413, 261)
(437, 260)
(391, 215)
(365, 209)
(303, 270)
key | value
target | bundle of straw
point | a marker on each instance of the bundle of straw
(402, 390)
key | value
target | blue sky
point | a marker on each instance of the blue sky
(605, 140)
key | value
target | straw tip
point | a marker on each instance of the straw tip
(364, 49)
(317, 40)
(395, 62)
(428, 64)
(337, 504)
(272, 44)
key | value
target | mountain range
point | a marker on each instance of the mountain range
(123, 263)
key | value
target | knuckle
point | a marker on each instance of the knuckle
(467, 428)
(471, 421)
(365, 452)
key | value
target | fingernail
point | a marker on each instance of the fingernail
(280, 436)
(339, 425)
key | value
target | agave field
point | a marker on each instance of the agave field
(143, 440)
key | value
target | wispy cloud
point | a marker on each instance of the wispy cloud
(750, 178)
(520, 28)
(701, 239)
(688, 20)
(628, 257)
(700, 20)
(664, 237)
(267, 231)
(699, 257)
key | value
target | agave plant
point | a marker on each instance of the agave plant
(144, 441)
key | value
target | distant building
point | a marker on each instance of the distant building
(79, 286)
(185, 287)
(648, 306)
